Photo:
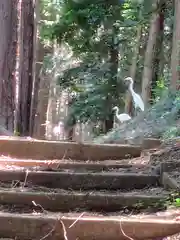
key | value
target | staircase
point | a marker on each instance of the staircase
(60, 190)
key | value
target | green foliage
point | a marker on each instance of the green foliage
(159, 89)
(48, 63)
(177, 202)
(96, 31)
(171, 133)
(173, 200)
(92, 98)
(49, 12)
(79, 23)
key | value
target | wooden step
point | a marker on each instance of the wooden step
(84, 180)
(39, 149)
(7, 162)
(63, 226)
(61, 200)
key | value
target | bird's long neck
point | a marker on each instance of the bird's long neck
(117, 111)
(131, 87)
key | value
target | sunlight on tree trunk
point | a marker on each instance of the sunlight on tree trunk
(17, 113)
(149, 56)
(41, 82)
(43, 96)
(128, 101)
(175, 57)
(51, 109)
(36, 67)
(58, 99)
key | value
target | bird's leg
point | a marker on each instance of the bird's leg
(114, 123)
(135, 111)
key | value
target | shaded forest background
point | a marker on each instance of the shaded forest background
(63, 64)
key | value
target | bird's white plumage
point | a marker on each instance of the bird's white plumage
(123, 117)
(138, 102)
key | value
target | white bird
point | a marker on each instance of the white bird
(138, 102)
(58, 130)
(123, 117)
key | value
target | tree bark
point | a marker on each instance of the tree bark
(128, 102)
(113, 59)
(175, 57)
(26, 66)
(8, 45)
(40, 116)
(37, 64)
(157, 69)
(43, 93)
(149, 56)
(41, 82)
(113, 91)
(17, 115)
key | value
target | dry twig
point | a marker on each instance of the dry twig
(76, 220)
(64, 156)
(38, 205)
(50, 232)
(54, 228)
(13, 185)
(64, 230)
(125, 235)
(25, 180)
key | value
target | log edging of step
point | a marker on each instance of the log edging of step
(169, 166)
(67, 164)
(149, 143)
(166, 179)
(69, 201)
(39, 149)
(169, 182)
(84, 181)
(25, 226)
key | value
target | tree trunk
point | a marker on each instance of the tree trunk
(37, 64)
(43, 94)
(40, 117)
(113, 89)
(41, 83)
(17, 116)
(26, 66)
(8, 45)
(109, 123)
(128, 102)
(149, 56)
(158, 51)
(175, 57)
